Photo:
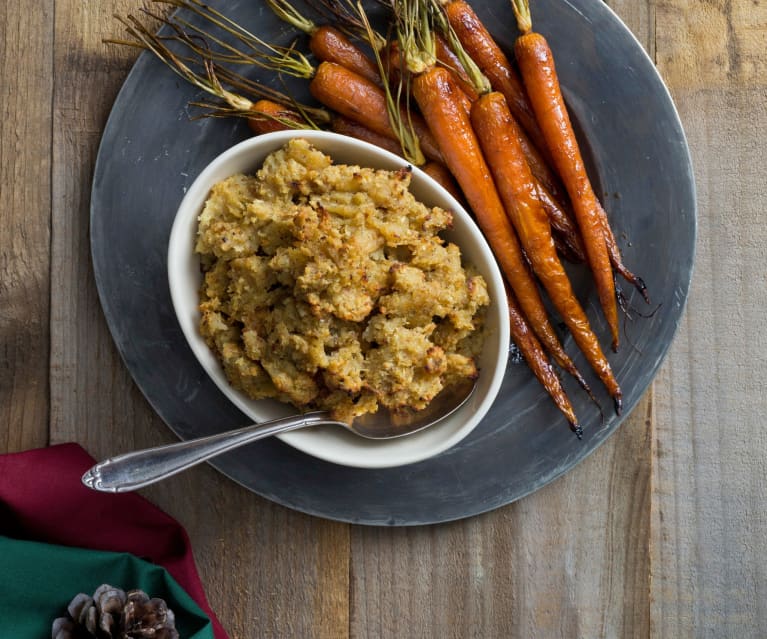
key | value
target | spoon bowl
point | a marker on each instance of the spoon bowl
(138, 469)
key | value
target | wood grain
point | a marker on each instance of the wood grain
(25, 163)
(709, 528)
(569, 561)
(713, 44)
(709, 523)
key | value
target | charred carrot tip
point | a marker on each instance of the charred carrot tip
(578, 430)
(618, 404)
(642, 288)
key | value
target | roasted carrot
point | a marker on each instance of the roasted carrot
(568, 240)
(450, 60)
(361, 100)
(328, 43)
(441, 174)
(466, 93)
(553, 202)
(536, 359)
(353, 129)
(393, 64)
(498, 139)
(434, 91)
(542, 170)
(462, 97)
(472, 75)
(536, 65)
(270, 116)
(617, 261)
(561, 224)
(567, 235)
(483, 49)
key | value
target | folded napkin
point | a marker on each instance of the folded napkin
(43, 500)
(39, 580)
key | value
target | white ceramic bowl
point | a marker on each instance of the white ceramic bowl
(333, 443)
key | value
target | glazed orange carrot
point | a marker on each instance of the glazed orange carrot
(567, 235)
(397, 70)
(561, 223)
(450, 60)
(361, 100)
(551, 191)
(441, 174)
(536, 64)
(465, 32)
(462, 97)
(483, 49)
(437, 171)
(271, 116)
(542, 170)
(434, 91)
(494, 127)
(446, 57)
(536, 359)
(617, 261)
(353, 129)
(394, 65)
(328, 43)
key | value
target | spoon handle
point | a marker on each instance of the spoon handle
(137, 469)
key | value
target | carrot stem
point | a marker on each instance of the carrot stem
(522, 14)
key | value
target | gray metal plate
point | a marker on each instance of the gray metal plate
(151, 152)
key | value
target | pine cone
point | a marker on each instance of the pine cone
(112, 614)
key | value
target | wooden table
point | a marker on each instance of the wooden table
(662, 532)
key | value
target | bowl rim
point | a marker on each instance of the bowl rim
(264, 144)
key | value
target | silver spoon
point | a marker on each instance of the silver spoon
(135, 470)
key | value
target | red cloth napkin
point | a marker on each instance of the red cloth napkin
(43, 499)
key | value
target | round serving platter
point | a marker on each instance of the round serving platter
(151, 151)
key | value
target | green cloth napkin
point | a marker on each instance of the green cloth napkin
(38, 580)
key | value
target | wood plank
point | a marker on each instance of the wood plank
(568, 561)
(709, 528)
(268, 571)
(709, 524)
(25, 140)
(572, 560)
(711, 44)
(640, 18)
